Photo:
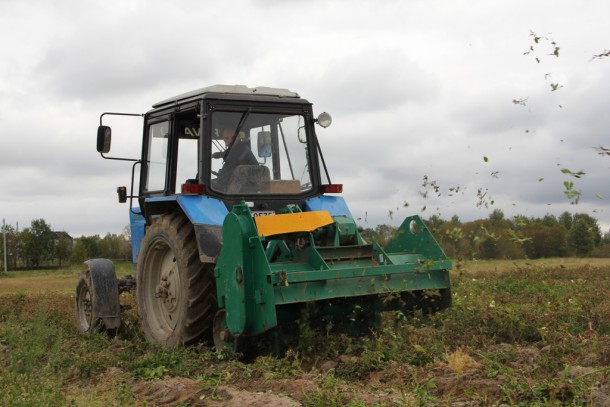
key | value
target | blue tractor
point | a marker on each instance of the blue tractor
(238, 226)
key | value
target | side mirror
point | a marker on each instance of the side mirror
(104, 136)
(264, 144)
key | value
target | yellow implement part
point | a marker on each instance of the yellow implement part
(292, 222)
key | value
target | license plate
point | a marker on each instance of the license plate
(262, 213)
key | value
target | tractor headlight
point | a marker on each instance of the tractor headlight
(324, 119)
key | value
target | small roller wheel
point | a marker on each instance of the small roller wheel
(97, 303)
(85, 321)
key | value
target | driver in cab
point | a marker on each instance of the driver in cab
(237, 153)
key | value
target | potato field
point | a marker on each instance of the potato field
(519, 333)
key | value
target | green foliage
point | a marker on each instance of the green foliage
(63, 249)
(572, 194)
(546, 241)
(111, 246)
(34, 348)
(38, 246)
(330, 395)
(520, 237)
(79, 253)
(37, 242)
(582, 238)
(382, 234)
(578, 174)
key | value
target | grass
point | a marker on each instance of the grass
(61, 281)
(499, 266)
(519, 333)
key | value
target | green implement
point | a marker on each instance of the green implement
(257, 275)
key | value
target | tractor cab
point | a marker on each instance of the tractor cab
(232, 144)
(205, 151)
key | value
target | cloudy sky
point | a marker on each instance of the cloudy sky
(440, 89)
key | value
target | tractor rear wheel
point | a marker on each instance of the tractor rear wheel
(176, 292)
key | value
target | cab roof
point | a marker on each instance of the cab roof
(229, 90)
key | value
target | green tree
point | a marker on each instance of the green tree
(126, 249)
(79, 252)
(434, 222)
(549, 220)
(496, 217)
(384, 233)
(92, 246)
(115, 247)
(38, 242)
(63, 248)
(546, 241)
(594, 228)
(581, 237)
(566, 219)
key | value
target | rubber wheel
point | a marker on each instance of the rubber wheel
(176, 292)
(84, 307)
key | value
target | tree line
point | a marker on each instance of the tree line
(38, 246)
(496, 237)
(520, 237)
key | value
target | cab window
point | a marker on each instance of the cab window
(259, 153)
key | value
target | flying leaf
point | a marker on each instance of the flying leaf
(522, 101)
(571, 193)
(606, 53)
(556, 51)
(485, 159)
(578, 174)
(602, 150)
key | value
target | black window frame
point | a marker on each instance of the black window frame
(232, 105)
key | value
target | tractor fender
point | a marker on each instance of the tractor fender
(137, 225)
(105, 303)
(207, 216)
(335, 205)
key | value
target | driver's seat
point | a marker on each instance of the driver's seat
(247, 179)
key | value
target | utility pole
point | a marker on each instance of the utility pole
(4, 233)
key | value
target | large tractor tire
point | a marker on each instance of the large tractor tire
(176, 292)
